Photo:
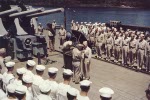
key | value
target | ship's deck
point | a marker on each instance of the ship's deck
(127, 84)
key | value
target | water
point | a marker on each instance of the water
(132, 16)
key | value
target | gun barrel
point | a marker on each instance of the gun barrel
(24, 13)
(46, 12)
(11, 11)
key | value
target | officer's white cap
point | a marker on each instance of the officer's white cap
(73, 91)
(31, 63)
(11, 88)
(85, 83)
(21, 89)
(52, 70)
(106, 92)
(21, 70)
(67, 72)
(10, 64)
(27, 78)
(44, 87)
(40, 67)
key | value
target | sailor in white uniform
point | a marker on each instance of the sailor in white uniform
(64, 86)
(27, 81)
(2, 93)
(20, 72)
(85, 87)
(45, 89)
(72, 94)
(37, 80)
(52, 72)
(2, 65)
(11, 92)
(106, 93)
(8, 76)
(29, 66)
(21, 92)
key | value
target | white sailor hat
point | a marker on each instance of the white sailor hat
(81, 22)
(85, 83)
(70, 42)
(52, 70)
(117, 33)
(73, 91)
(85, 22)
(40, 67)
(27, 78)
(10, 64)
(21, 89)
(44, 87)
(67, 72)
(31, 63)
(11, 88)
(21, 70)
(76, 22)
(106, 92)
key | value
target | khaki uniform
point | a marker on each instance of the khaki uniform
(99, 44)
(141, 53)
(147, 53)
(132, 51)
(77, 58)
(109, 46)
(92, 36)
(117, 48)
(125, 50)
(87, 62)
(62, 35)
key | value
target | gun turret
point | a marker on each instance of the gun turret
(24, 13)
(46, 12)
(11, 11)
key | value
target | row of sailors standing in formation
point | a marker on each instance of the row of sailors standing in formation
(128, 47)
(29, 86)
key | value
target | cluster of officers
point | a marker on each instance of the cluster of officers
(122, 46)
(29, 86)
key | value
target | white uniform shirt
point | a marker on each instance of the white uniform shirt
(7, 79)
(62, 91)
(79, 97)
(28, 72)
(44, 97)
(54, 89)
(17, 82)
(37, 80)
(2, 94)
(29, 95)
